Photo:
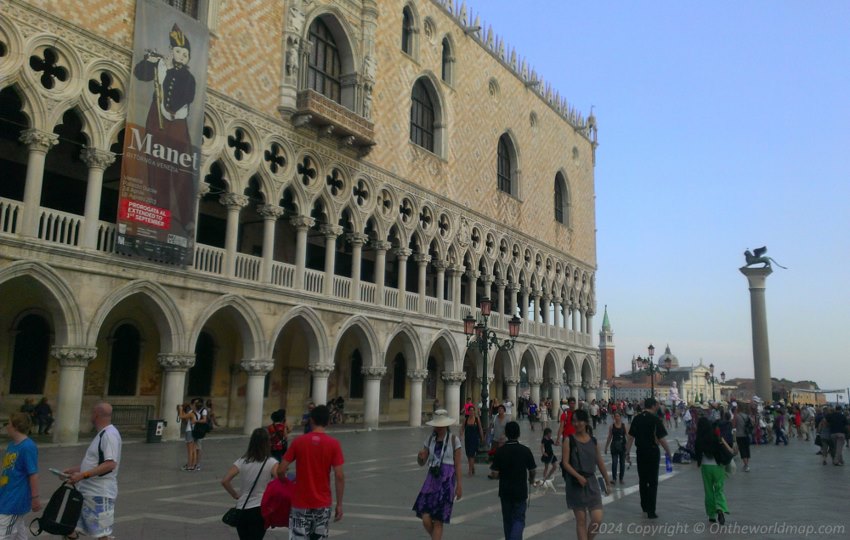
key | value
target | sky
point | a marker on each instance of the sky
(722, 126)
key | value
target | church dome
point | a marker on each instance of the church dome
(674, 362)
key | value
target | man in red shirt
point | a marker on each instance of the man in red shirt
(566, 427)
(314, 454)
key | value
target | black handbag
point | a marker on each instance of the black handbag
(234, 515)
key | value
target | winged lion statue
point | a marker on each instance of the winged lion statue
(758, 256)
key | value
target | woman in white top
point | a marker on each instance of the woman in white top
(258, 466)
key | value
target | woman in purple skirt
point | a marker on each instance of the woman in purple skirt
(442, 454)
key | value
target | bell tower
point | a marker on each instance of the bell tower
(606, 349)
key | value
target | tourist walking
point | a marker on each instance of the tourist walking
(565, 422)
(580, 459)
(779, 426)
(838, 429)
(825, 435)
(616, 443)
(19, 492)
(515, 465)
(315, 455)
(256, 467)
(532, 414)
(646, 432)
(443, 481)
(547, 452)
(97, 476)
(471, 436)
(278, 432)
(710, 448)
(743, 427)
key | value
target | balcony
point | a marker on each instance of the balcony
(333, 120)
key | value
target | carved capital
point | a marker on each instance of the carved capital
(74, 357)
(302, 223)
(357, 239)
(524, 291)
(176, 361)
(381, 245)
(440, 265)
(456, 270)
(417, 375)
(233, 200)
(473, 274)
(203, 189)
(36, 139)
(422, 258)
(500, 283)
(403, 253)
(258, 366)
(512, 380)
(96, 158)
(321, 370)
(331, 231)
(547, 298)
(373, 372)
(270, 211)
(487, 278)
(454, 376)
(536, 381)
(557, 300)
(512, 288)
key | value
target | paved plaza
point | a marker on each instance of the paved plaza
(788, 494)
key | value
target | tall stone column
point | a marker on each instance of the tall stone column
(557, 311)
(757, 279)
(523, 308)
(416, 376)
(473, 286)
(440, 267)
(512, 292)
(357, 241)
(372, 395)
(500, 296)
(512, 383)
(487, 279)
(330, 233)
(302, 224)
(422, 260)
(270, 213)
(38, 143)
(320, 373)
(546, 300)
(555, 391)
(402, 255)
(455, 272)
(575, 326)
(174, 366)
(538, 312)
(381, 248)
(590, 314)
(453, 380)
(534, 385)
(97, 162)
(234, 202)
(257, 369)
(72, 368)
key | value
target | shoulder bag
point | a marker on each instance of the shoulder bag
(233, 515)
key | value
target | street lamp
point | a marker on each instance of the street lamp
(646, 364)
(710, 378)
(479, 335)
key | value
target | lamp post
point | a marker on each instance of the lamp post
(479, 335)
(710, 378)
(646, 364)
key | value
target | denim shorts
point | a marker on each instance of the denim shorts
(97, 517)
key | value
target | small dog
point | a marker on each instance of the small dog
(545, 485)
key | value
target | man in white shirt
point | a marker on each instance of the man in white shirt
(97, 476)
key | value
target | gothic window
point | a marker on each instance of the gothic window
(561, 200)
(201, 374)
(422, 117)
(323, 69)
(407, 31)
(505, 166)
(399, 373)
(447, 62)
(124, 361)
(29, 356)
(355, 389)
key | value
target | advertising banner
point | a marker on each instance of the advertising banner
(162, 141)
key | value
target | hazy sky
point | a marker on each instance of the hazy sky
(722, 126)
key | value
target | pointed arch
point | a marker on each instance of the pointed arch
(317, 336)
(413, 353)
(428, 115)
(449, 344)
(562, 198)
(254, 344)
(330, 33)
(362, 325)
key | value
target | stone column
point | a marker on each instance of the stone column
(452, 398)
(72, 368)
(357, 241)
(302, 224)
(174, 366)
(234, 203)
(555, 391)
(512, 383)
(473, 286)
(422, 260)
(534, 385)
(523, 308)
(257, 369)
(270, 214)
(38, 143)
(440, 267)
(590, 313)
(546, 300)
(455, 272)
(372, 395)
(330, 233)
(416, 376)
(500, 296)
(401, 257)
(757, 279)
(557, 311)
(381, 248)
(575, 326)
(574, 390)
(320, 373)
(590, 392)
(512, 292)
(538, 295)
(97, 161)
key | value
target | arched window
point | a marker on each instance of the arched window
(505, 166)
(431, 382)
(323, 67)
(29, 356)
(447, 61)
(399, 374)
(422, 117)
(561, 200)
(355, 389)
(407, 31)
(201, 374)
(124, 361)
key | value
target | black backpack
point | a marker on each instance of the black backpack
(200, 430)
(61, 514)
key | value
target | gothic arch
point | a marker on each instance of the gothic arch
(431, 84)
(450, 346)
(571, 366)
(317, 337)
(254, 344)
(413, 353)
(361, 324)
(349, 55)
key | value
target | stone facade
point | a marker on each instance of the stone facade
(333, 257)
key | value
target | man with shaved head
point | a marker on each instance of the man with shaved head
(97, 475)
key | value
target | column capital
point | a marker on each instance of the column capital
(176, 361)
(258, 366)
(35, 139)
(512, 380)
(321, 370)
(456, 269)
(331, 231)
(403, 253)
(500, 283)
(524, 290)
(373, 372)
(487, 278)
(422, 258)
(417, 375)
(302, 223)
(473, 274)
(557, 299)
(440, 264)
(535, 381)
(357, 239)
(74, 356)
(270, 211)
(454, 376)
(537, 293)
(203, 189)
(233, 200)
(382, 245)
(96, 158)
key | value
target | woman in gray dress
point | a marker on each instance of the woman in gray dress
(580, 458)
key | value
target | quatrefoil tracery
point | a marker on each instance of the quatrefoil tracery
(239, 142)
(335, 182)
(360, 192)
(50, 68)
(105, 91)
(275, 157)
(307, 171)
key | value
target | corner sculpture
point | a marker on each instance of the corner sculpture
(758, 256)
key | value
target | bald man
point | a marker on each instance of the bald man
(97, 475)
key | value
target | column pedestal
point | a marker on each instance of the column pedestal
(175, 367)
(257, 370)
(72, 369)
(757, 278)
(372, 395)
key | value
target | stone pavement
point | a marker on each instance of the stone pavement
(788, 494)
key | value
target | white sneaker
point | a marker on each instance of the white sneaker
(747, 468)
